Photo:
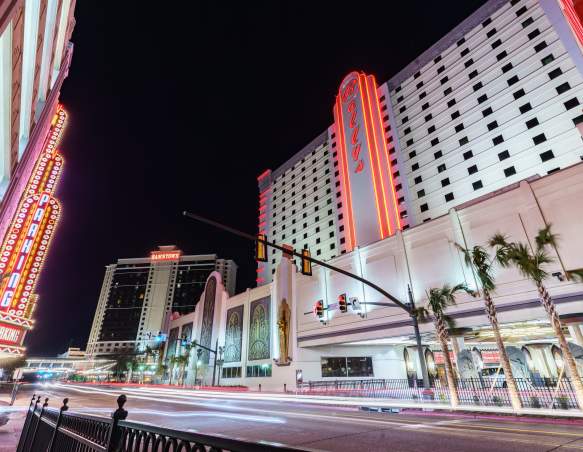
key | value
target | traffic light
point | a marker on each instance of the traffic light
(261, 248)
(306, 264)
(319, 309)
(342, 303)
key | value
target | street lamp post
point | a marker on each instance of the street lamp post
(410, 309)
(198, 355)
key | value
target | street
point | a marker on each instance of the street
(334, 428)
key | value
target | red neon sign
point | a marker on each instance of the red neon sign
(165, 255)
(10, 335)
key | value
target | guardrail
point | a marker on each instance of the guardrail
(542, 393)
(49, 430)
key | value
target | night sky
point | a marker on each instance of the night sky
(181, 108)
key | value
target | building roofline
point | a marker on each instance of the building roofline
(318, 141)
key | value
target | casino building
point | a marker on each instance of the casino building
(495, 101)
(139, 297)
(35, 54)
(478, 135)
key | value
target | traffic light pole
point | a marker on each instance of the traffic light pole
(409, 309)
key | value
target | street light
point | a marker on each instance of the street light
(409, 308)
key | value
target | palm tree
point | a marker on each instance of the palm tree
(530, 263)
(479, 260)
(437, 301)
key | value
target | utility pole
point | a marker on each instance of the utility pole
(410, 309)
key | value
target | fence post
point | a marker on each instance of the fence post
(27, 421)
(115, 436)
(40, 418)
(64, 408)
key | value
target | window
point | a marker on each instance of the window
(546, 60)
(441, 168)
(469, 63)
(512, 80)
(473, 169)
(578, 119)
(527, 22)
(424, 207)
(231, 372)
(459, 127)
(524, 108)
(422, 95)
(468, 155)
(418, 179)
(487, 22)
(259, 370)
(405, 119)
(407, 131)
(473, 74)
(477, 86)
(412, 154)
(521, 11)
(419, 85)
(563, 87)
(445, 182)
(417, 74)
(491, 33)
(497, 140)
(410, 142)
(492, 125)
(477, 185)
(431, 130)
(347, 367)
(437, 154)
(501, 55)
(541, 138)
(428, 117)
(399, 99)
(447, 91)
(532, 123)
(437, 59)
(503, 155)
(533, 34)
(461, 41)
(449, 197)
(464, 52)
(415, 167)
(496, 43)
(487, 111)
(571, 103)
(455, 115)
(451, 103)
(483, 98)
(555, 73)
(463, 140)
(440, 69)
(510, 171)
(444, 80)
(402, 109)
(425, 106)
(421, 193)
(506, 67)
(547, 155)
(518, 94)
(435, 141)
(540, 46)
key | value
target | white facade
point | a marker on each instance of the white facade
(495, 101)
(421, 257)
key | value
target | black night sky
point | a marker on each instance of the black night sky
(181, 107)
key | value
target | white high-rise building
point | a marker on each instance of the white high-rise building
(495, 101)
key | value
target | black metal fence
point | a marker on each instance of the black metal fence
(542, 393)
(49, 430)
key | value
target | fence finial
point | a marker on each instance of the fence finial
(120, 413)
(65, 402)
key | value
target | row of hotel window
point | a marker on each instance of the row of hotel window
(466, 51)
(337, 367)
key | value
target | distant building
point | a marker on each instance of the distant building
(139, 296)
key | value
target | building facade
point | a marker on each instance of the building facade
(495, 101)
(139, 296)
(273, 336)
(35, 54)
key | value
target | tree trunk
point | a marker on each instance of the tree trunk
(443, 336)
(568, 359)
(510, 382)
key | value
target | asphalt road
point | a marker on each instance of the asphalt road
(318, 427)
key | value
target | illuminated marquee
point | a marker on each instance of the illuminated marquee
(27, 241)
(366, 173)
(165, 255)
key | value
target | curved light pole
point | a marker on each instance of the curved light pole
(410, 308)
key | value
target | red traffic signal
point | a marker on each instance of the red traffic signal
(342, 303)
(319, 309)
(261, 248)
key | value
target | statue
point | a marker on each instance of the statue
(283, 319)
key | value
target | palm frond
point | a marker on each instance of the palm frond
(450, 321)
(575, 275)
(466, 253)
(546, 237)
(528, 264)
(422, 315)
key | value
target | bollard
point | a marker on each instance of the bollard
(259, 387)
(285, 387)
(115, 435)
